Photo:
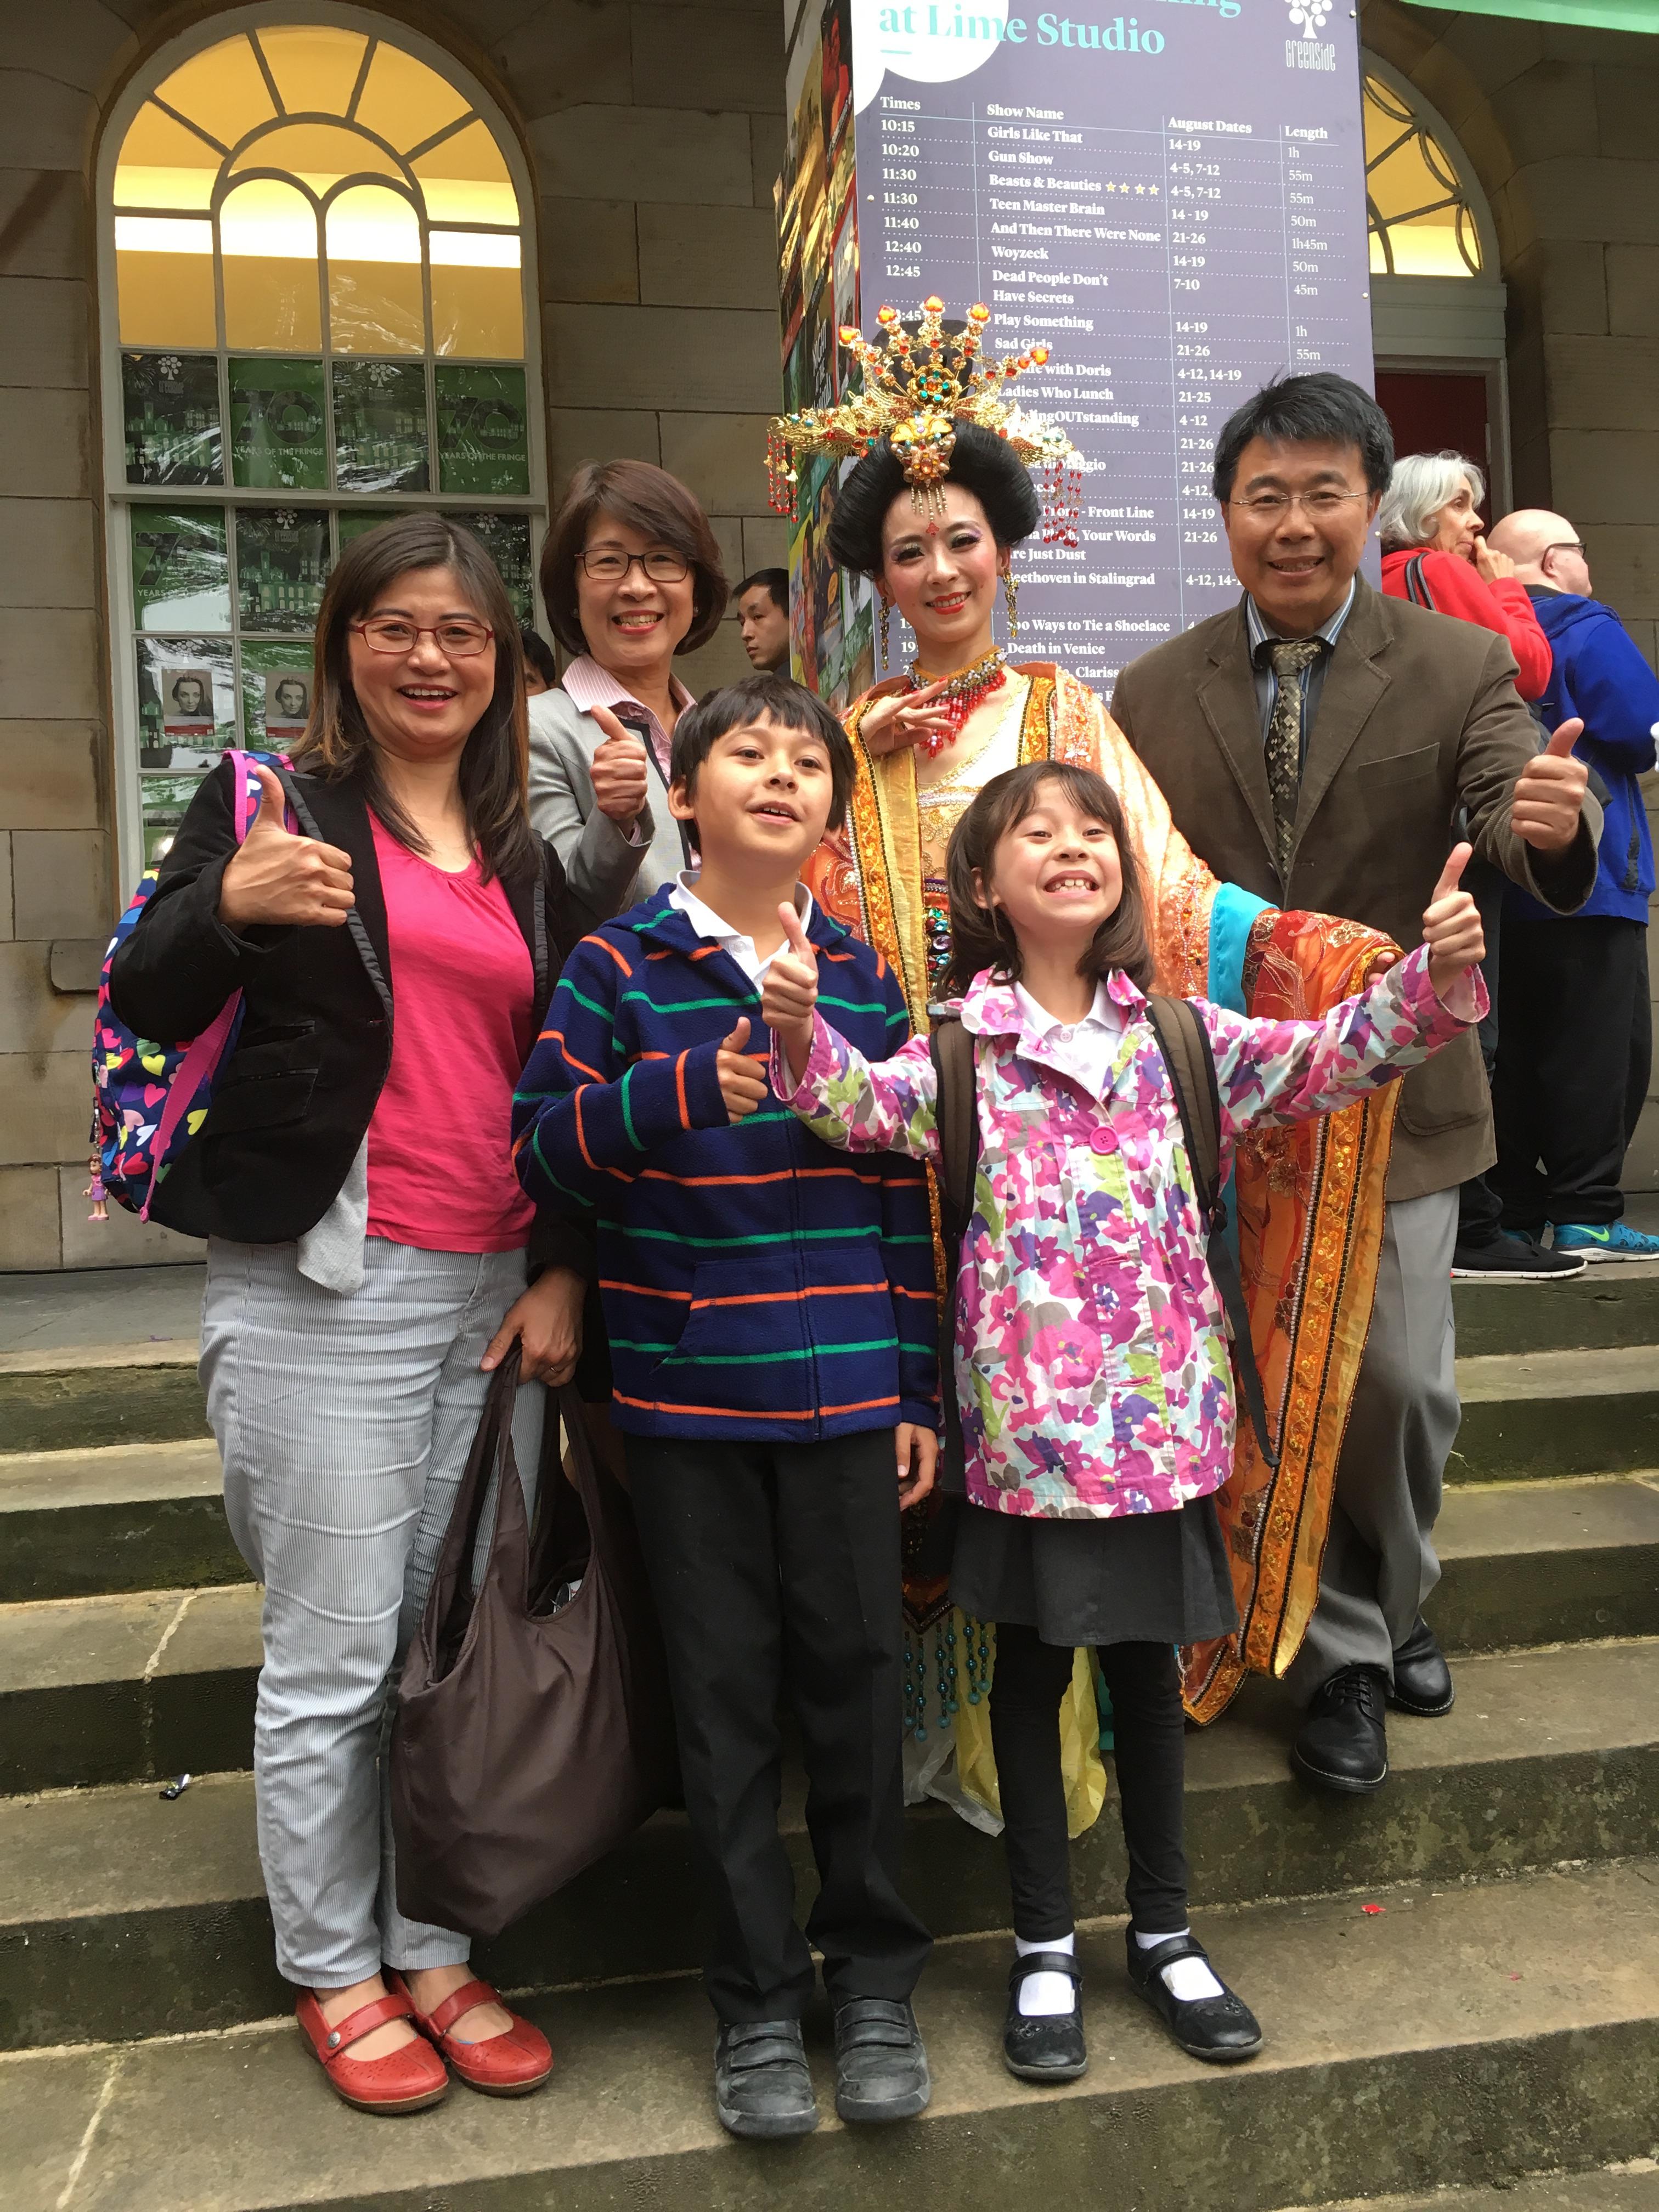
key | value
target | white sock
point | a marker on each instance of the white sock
(1043, 1995)
(1188, 1980)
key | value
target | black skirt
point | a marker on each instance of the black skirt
(1137, 1578)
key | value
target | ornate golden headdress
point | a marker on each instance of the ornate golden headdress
(920, 382)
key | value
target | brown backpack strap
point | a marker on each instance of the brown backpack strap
(1185, 1044)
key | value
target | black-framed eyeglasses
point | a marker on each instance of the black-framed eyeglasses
(610, 564)
(1567, 545)
(460, 639)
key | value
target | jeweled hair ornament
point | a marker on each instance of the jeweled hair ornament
(919, 381)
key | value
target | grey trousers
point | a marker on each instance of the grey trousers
(1380, 1561)
(345, 1424)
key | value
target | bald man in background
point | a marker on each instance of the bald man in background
(1575, 1021)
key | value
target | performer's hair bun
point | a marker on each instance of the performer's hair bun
(980, 462)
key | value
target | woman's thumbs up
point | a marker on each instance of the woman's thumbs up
(275, 879)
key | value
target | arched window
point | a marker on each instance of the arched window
(1421, 219)
(315, 254)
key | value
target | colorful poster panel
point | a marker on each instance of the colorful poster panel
(180, 569)
(279, 424)
(187, 701)
(354, 521)
(282, 565)
(170, 404)
(506, 538)
(380, 425)
(277, 692)
(484, 444)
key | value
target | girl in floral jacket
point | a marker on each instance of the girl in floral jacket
(1091, 1366)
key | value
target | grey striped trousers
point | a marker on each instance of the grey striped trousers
(345, 1424)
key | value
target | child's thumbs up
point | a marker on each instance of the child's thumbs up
(799, 944)
(791, 991)
(743, 1085)
(1451, 926)
(1452, 874)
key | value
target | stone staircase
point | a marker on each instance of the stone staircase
(1497, 2017)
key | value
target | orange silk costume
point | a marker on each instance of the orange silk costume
(1308, 1199)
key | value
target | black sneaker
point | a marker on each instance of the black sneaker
(1343, 1744)
(881, 2061)
(1048, 2047)
(762, 2084)
(1514, 1258)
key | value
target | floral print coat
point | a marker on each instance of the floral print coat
(1091, 1363)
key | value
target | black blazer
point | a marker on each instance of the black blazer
(293, 1102)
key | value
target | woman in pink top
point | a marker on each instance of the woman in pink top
(1434, 551)
(371, 1257)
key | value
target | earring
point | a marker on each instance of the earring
(886, 653)
(1011, 596)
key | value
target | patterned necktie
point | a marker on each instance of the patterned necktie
(1290, 657)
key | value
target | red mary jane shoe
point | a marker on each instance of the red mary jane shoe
(405, 2080)
(507, 2065)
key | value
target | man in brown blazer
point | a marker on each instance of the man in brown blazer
(1317, 744)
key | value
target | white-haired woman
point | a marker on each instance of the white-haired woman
(1434, 552)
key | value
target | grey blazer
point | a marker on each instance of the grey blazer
(605, 871)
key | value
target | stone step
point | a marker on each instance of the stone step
(123, 1915)
(116, 1517)
(1611, 1303)
(78, 1397)
(1632, 2186)
(1464, 2038)
(1556, 1412)
(1546, 1562)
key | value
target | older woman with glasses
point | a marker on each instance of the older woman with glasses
(632, 577)
(1434, 551)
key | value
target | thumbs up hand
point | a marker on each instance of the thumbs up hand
(743, 1085)
(618, 770)
(277, 878)
(1549, 793)
(791, 991)
(1451, 927)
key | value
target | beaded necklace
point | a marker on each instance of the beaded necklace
(963, 692)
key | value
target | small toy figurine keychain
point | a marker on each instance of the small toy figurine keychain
(95, 1191)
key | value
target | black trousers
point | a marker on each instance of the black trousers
(775, 1569)
(1149, 1730)
(1576, 1046)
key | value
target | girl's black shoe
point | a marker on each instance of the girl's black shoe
(1221, 2029)
(1050, 2048)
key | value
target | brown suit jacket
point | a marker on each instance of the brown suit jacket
(1419, 717)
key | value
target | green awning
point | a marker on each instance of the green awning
(1589, 14)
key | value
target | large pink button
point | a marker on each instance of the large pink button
(1102, 1141)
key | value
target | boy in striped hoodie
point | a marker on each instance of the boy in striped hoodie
(770, 1308)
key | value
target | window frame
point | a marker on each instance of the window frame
(119, 498)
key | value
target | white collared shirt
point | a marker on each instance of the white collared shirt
(707, 923)
(1084, 1049)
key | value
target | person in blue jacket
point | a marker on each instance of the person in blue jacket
(1575, 1019)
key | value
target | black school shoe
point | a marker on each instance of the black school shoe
(1343, 1744)
(1222, 2029)
(1051, 2049)
(881, 2061)
(762, 2087)
(1422, 1680)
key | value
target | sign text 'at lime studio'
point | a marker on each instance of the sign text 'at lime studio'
(935, 21)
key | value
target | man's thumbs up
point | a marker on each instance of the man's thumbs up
(275, 879)
(743, 1085)
(1549, 794)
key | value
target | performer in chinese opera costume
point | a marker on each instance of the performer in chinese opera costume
(940, 497)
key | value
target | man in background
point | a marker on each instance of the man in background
(762, 604)
(1574, 1021)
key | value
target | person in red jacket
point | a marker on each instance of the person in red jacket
(1434, 552)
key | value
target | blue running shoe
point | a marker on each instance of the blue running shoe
(1616, 1240)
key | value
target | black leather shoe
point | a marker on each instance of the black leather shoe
(1049, 2049)
(881, 2061)
(1343, 1744)
(1422, 1680)
(1222, 2029)
(762, 2085)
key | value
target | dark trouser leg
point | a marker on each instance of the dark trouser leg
(1641, 1045)
(1149, 1730)
(1569, 1023)
(1027, 1684)
(1480, 1209)
(706, 1514)
(843, 1642)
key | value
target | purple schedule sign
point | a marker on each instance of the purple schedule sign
(1173, 199)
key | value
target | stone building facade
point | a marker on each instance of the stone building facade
(653, 133)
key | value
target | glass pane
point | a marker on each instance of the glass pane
(180, 571)
(405, 100)
(281, 565)
(162, 165)
(277, 679)
(170, 404)
(164, 282)
(506, 538)
(165, 800)
(278, 425)
(466, 180)
(482, 445)
(1428, 248)
(268, 239)
(478, 296)
(380, 425)
(321, 153)
(221, 90)
(315, 69)
(353, 522)
(187, 701)
(375, 303)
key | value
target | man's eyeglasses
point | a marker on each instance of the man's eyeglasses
(1317, 506)
(611, 564)
(460, 639)
(1565, 545)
